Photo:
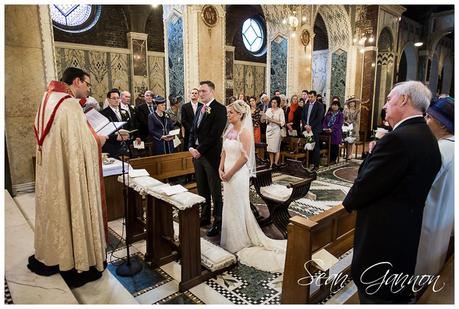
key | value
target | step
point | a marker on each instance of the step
(25, 286)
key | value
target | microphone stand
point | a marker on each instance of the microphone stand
(128, 267)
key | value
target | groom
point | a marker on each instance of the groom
(205, 145)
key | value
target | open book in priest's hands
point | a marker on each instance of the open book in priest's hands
(101, 124)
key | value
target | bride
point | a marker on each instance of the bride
(241, 233)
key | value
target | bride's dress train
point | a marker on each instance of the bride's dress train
(241, 233)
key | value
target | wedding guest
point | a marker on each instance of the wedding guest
(389, 196)
(293, 116)
(159, 125)
(438, 218)
(333, 124)
(256, 116)
(275, 121)
(351, 118)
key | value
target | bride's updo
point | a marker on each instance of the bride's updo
(241, 107)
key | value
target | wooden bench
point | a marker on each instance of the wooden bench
(332, 230)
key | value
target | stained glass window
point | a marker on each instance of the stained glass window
(74, 17)
(252, 35)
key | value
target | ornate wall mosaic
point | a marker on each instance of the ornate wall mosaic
(338, 75)
(175, 55)
(279, 65)
(156, 70)
(108, 70)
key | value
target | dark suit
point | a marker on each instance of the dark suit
(112, 145)
(187, 120)
(315, 121)
(209, 136)
(142, 113)
(132, 121)
(389, 196)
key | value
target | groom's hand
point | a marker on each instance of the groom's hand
(195, 153)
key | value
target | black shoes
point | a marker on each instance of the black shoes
(74, 279)
(41, 269)
(214, 230)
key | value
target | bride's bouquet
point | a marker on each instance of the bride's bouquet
(310, 144)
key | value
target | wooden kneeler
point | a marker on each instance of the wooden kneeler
(163, 248)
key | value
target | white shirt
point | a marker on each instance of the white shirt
(117, 112)
(126, 107)
(194, 106)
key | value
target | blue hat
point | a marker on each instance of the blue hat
(159, 99)
(443, 111)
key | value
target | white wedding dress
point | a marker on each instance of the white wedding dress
(241, 233)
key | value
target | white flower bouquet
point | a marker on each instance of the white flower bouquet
(310, 144)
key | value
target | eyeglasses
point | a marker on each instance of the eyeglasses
(87, 83)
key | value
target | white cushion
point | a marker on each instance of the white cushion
(276, 192)
(214, 257)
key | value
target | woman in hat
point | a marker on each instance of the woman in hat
(333, 124)
(352, 117)
(438, 217)
(159, 125)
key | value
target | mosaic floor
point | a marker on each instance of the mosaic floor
(240, 285)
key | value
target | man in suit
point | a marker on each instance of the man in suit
(389, 195)
(313, 113)
(188, 113)
(205, 145)
(142, 113)
(114, 113)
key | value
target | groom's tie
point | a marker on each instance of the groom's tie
(201, 114)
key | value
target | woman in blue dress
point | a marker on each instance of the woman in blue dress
(159, 126)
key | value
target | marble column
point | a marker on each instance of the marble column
(229, 63)
(137, 44)
(29, 66)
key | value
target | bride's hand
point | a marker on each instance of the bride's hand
(227, 176)
(221, 173)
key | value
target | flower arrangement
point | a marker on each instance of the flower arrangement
(208, 110)
(310, 144)
(379, 133)
(348, 134)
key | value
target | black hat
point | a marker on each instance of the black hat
(159, 99)
(443, 111)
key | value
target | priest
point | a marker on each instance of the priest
(70, 215)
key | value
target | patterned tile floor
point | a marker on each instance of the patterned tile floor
(240, 285)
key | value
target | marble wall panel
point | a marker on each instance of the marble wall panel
(279, 65)
(249, 88)
(157, 73)
(239, 81)
(338, 74)
(259, 80)
(175, 55)
(319, 70)
(119, 64)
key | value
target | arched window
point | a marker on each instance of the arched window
(253, 35)
(74, 18)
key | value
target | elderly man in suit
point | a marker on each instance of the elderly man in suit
(313, 114)
(389, 196)
(205, 145)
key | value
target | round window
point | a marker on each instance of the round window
(74, 18)
(252, 35)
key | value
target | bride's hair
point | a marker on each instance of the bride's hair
(241, 107)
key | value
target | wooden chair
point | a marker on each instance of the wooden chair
(278, 209)
(296, 150)
(325, 146)
(361, 142)
(138, 153)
